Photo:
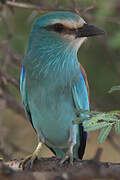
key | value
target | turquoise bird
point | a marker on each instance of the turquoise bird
(54, 85)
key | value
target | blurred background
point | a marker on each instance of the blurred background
(100, 57)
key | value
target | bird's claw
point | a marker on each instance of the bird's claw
(68, 156)
(28, 162)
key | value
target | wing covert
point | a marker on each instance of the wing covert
(24, 94)
(80, 92)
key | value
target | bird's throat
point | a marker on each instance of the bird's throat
(58, 63)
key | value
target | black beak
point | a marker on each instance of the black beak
(88, 31)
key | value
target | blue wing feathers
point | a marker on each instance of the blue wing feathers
(22, 79)
(24, 95)
(80, 94)
(81, 101)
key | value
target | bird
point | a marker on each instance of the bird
(53, 84)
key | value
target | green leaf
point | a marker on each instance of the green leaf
(116, 112)
(108, 117)
(117, 127)
(94, 119)
(104, 133)
(114, 88)
(79, 120)
(95, 126)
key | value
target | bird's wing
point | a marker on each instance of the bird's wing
(24, 95)
(80, 92)
(25, 101)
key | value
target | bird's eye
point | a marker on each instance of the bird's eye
(58, 28)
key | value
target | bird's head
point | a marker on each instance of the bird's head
(62, 28)
(54, 42)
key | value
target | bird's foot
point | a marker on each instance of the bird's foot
(68, 156)
(28, 162)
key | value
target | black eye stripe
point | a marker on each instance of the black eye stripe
(85, 31)
(55, 27)
(60, 28)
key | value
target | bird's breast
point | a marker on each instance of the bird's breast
(52, 110)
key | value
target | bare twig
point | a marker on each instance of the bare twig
(33, 7)
(75, 3)
(75, 6)
(9, 79)
(47, 9)
(90, 8)
(98, 154)
(6, 62)
(3, 152)
(13, 104)
(15, 58)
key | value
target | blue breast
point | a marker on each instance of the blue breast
(52, 109)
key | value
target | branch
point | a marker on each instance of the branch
(3, 134)
(48, 9)
(49, 169)
(15, 58)
(23, 5)
(34, 7)
(75, 6)
(88, 9)
(13, 104)
(98, 154)
(9, 79)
